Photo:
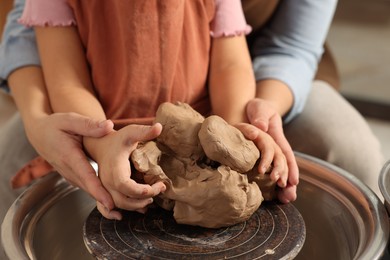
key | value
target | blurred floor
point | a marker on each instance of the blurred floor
(360, 40)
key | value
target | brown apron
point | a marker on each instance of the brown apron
(145, 53)
(5, 7)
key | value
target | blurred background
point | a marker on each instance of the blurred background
(360, 41)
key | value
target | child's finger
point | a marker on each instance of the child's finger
(135, 190)
(280, 139)
(266, 151)
(158, 187)
(266, 157)
(132, 204)
(82, 125)
(139, 198)
(291, 161)
(249, 131)
(139, 195)
(280, 170)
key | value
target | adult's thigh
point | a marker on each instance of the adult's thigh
(331, 129)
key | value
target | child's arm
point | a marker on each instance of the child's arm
(66, 72)
(47, 131)
(70, 90)
(232, 86)
(19, 64)
(231, 79)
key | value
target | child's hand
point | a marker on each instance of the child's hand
(112, 154)
(264, 116)
(270, 154)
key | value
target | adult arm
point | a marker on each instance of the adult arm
(287, 51)
(48, 132)
(20, 70)
(18, 47)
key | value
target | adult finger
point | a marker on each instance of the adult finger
(293, 176)
(109, 214)
(82, 174)
(81, 125)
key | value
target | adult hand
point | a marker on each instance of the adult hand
(58, 139)
(262, 114)
(112, 153)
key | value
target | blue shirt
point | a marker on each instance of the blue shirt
(287, 49)
(290, 46)
(18, 47)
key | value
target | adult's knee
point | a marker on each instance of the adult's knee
(329, 128)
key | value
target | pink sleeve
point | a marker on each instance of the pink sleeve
(47, 13)
(229, 19)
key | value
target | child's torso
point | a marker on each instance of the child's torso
(143, 53)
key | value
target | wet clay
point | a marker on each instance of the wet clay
(208, 166)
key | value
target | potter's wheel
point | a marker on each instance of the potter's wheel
(343, 218)
(274, 231)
